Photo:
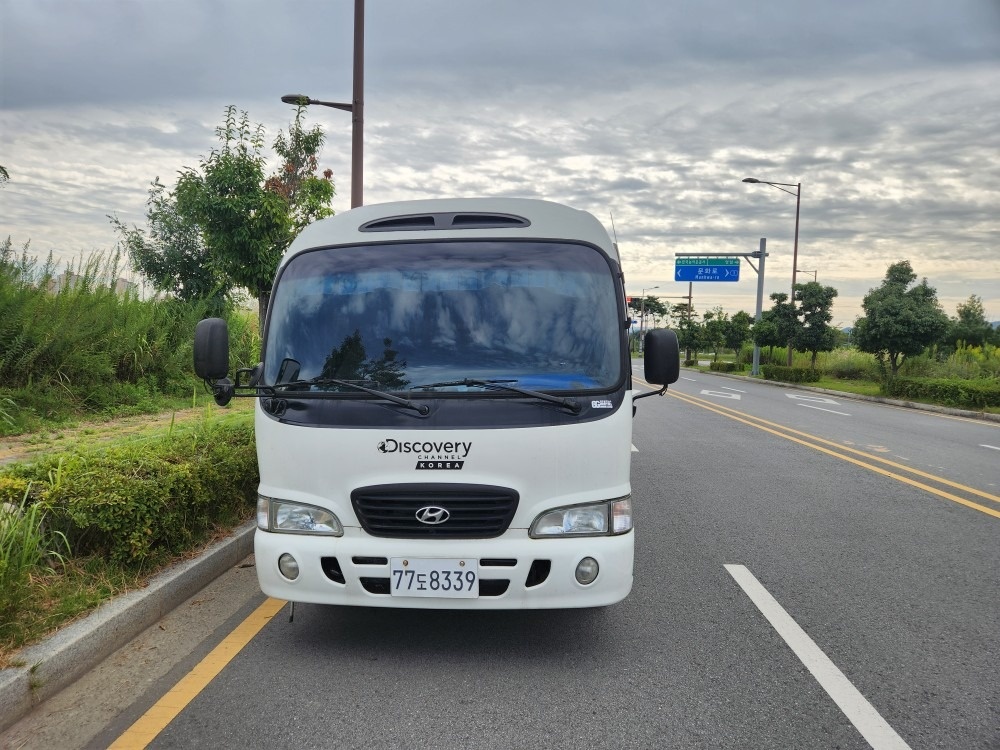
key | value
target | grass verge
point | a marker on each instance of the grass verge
(95, 522)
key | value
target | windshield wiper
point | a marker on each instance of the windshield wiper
(421, 409)
(505, 385)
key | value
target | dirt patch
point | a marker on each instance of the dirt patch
(26, 447)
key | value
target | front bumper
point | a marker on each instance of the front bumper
(510, 558)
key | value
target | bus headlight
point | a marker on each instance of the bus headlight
(595, 519)
(285, 517)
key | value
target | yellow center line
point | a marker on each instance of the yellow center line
(838, 446)
(745, 419)
(155, 720)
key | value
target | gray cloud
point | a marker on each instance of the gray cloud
(888, 113)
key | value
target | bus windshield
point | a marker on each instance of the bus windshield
(427, 316)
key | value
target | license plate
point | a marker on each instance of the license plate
(448, 578)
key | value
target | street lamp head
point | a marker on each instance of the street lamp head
(299, 100)
(752, 180)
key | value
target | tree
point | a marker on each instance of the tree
(244, 227)
(815, 307)
(737, 331)
(714, 330)
(171, 253)
(649, 306)
(970, 326)
(308, 195)
(900, 320)
(778, 325)
(247, 221)
(4, 175)
(689, 333)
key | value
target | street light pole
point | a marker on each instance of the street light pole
(795, 245)
(761, 255)
(356, 107)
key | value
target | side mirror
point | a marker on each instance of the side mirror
(211, 349)
(662, 357)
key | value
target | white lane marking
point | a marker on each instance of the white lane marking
(855, 706)
(634, 449)
(690, 380)
(817, 399)
(719, 394)
(841, 413)
(991, 447)
(726, 388)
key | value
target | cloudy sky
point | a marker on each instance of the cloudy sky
(647, 111)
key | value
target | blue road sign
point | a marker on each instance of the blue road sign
(706, 269)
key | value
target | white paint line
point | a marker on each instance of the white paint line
(816, 399)
(725, 388)
(634, 449)
(690, 380)
(991, 447)
(841, 413)
(720, 394)
(855, 706)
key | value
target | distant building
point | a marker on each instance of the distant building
(69, 280)
(65, 280)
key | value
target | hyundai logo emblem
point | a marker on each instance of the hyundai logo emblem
(432, 515)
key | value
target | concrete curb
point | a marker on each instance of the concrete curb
(989, 417)
(57, 661)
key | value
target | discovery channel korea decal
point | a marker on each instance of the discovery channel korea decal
(446, 455)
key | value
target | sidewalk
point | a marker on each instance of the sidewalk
(51, 665)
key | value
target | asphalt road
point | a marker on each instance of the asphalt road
(961, 449)
(878, 624)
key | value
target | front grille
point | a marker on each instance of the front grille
(474, 511)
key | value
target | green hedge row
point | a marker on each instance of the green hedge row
(725, 366)
(136, 502)
(976, 394)
(790, 374)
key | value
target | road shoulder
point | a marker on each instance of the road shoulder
(57, 662)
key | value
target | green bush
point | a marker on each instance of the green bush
(790, 374)
(134, 503)
(976, 394)
(849, 364)
(726, 366)
(12, 489)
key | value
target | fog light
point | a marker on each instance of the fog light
(586, 570)
(289, 567)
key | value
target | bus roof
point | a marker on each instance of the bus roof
(453, 218)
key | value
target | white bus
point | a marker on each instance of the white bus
(444, 409)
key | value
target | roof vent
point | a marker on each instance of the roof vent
(487, 221)
(400, 223)
(415, 222)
